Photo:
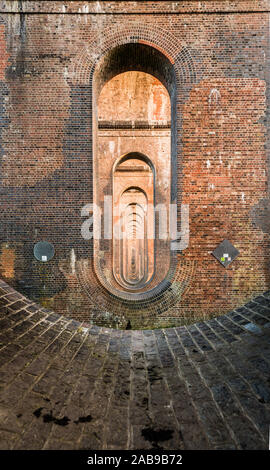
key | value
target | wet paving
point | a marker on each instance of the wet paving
(67, 386)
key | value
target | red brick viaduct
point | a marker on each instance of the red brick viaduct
(149, 104)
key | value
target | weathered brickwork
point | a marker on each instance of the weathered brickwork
(213, 58)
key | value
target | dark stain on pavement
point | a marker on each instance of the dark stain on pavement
(84, 419)
(156, 436)
(49, 418)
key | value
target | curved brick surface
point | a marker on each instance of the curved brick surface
(68, 386)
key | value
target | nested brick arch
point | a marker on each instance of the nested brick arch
(134, 256)
(172, 64)
(85, 63)
(176, 51)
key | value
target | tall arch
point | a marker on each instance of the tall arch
(133, 247)
(112, 177)
(181, 68)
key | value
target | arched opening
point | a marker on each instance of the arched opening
(134, 144)
(133, 222)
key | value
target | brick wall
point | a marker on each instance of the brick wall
(217, 74)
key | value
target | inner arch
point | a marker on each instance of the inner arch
(133, 221)
(133, 144)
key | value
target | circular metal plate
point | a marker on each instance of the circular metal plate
(43, 251)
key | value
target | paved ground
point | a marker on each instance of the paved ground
(63, 386)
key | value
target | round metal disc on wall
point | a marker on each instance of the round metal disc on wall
(43, 251)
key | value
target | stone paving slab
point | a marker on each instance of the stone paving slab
(66, 385)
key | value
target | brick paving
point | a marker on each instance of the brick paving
(65, 385)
